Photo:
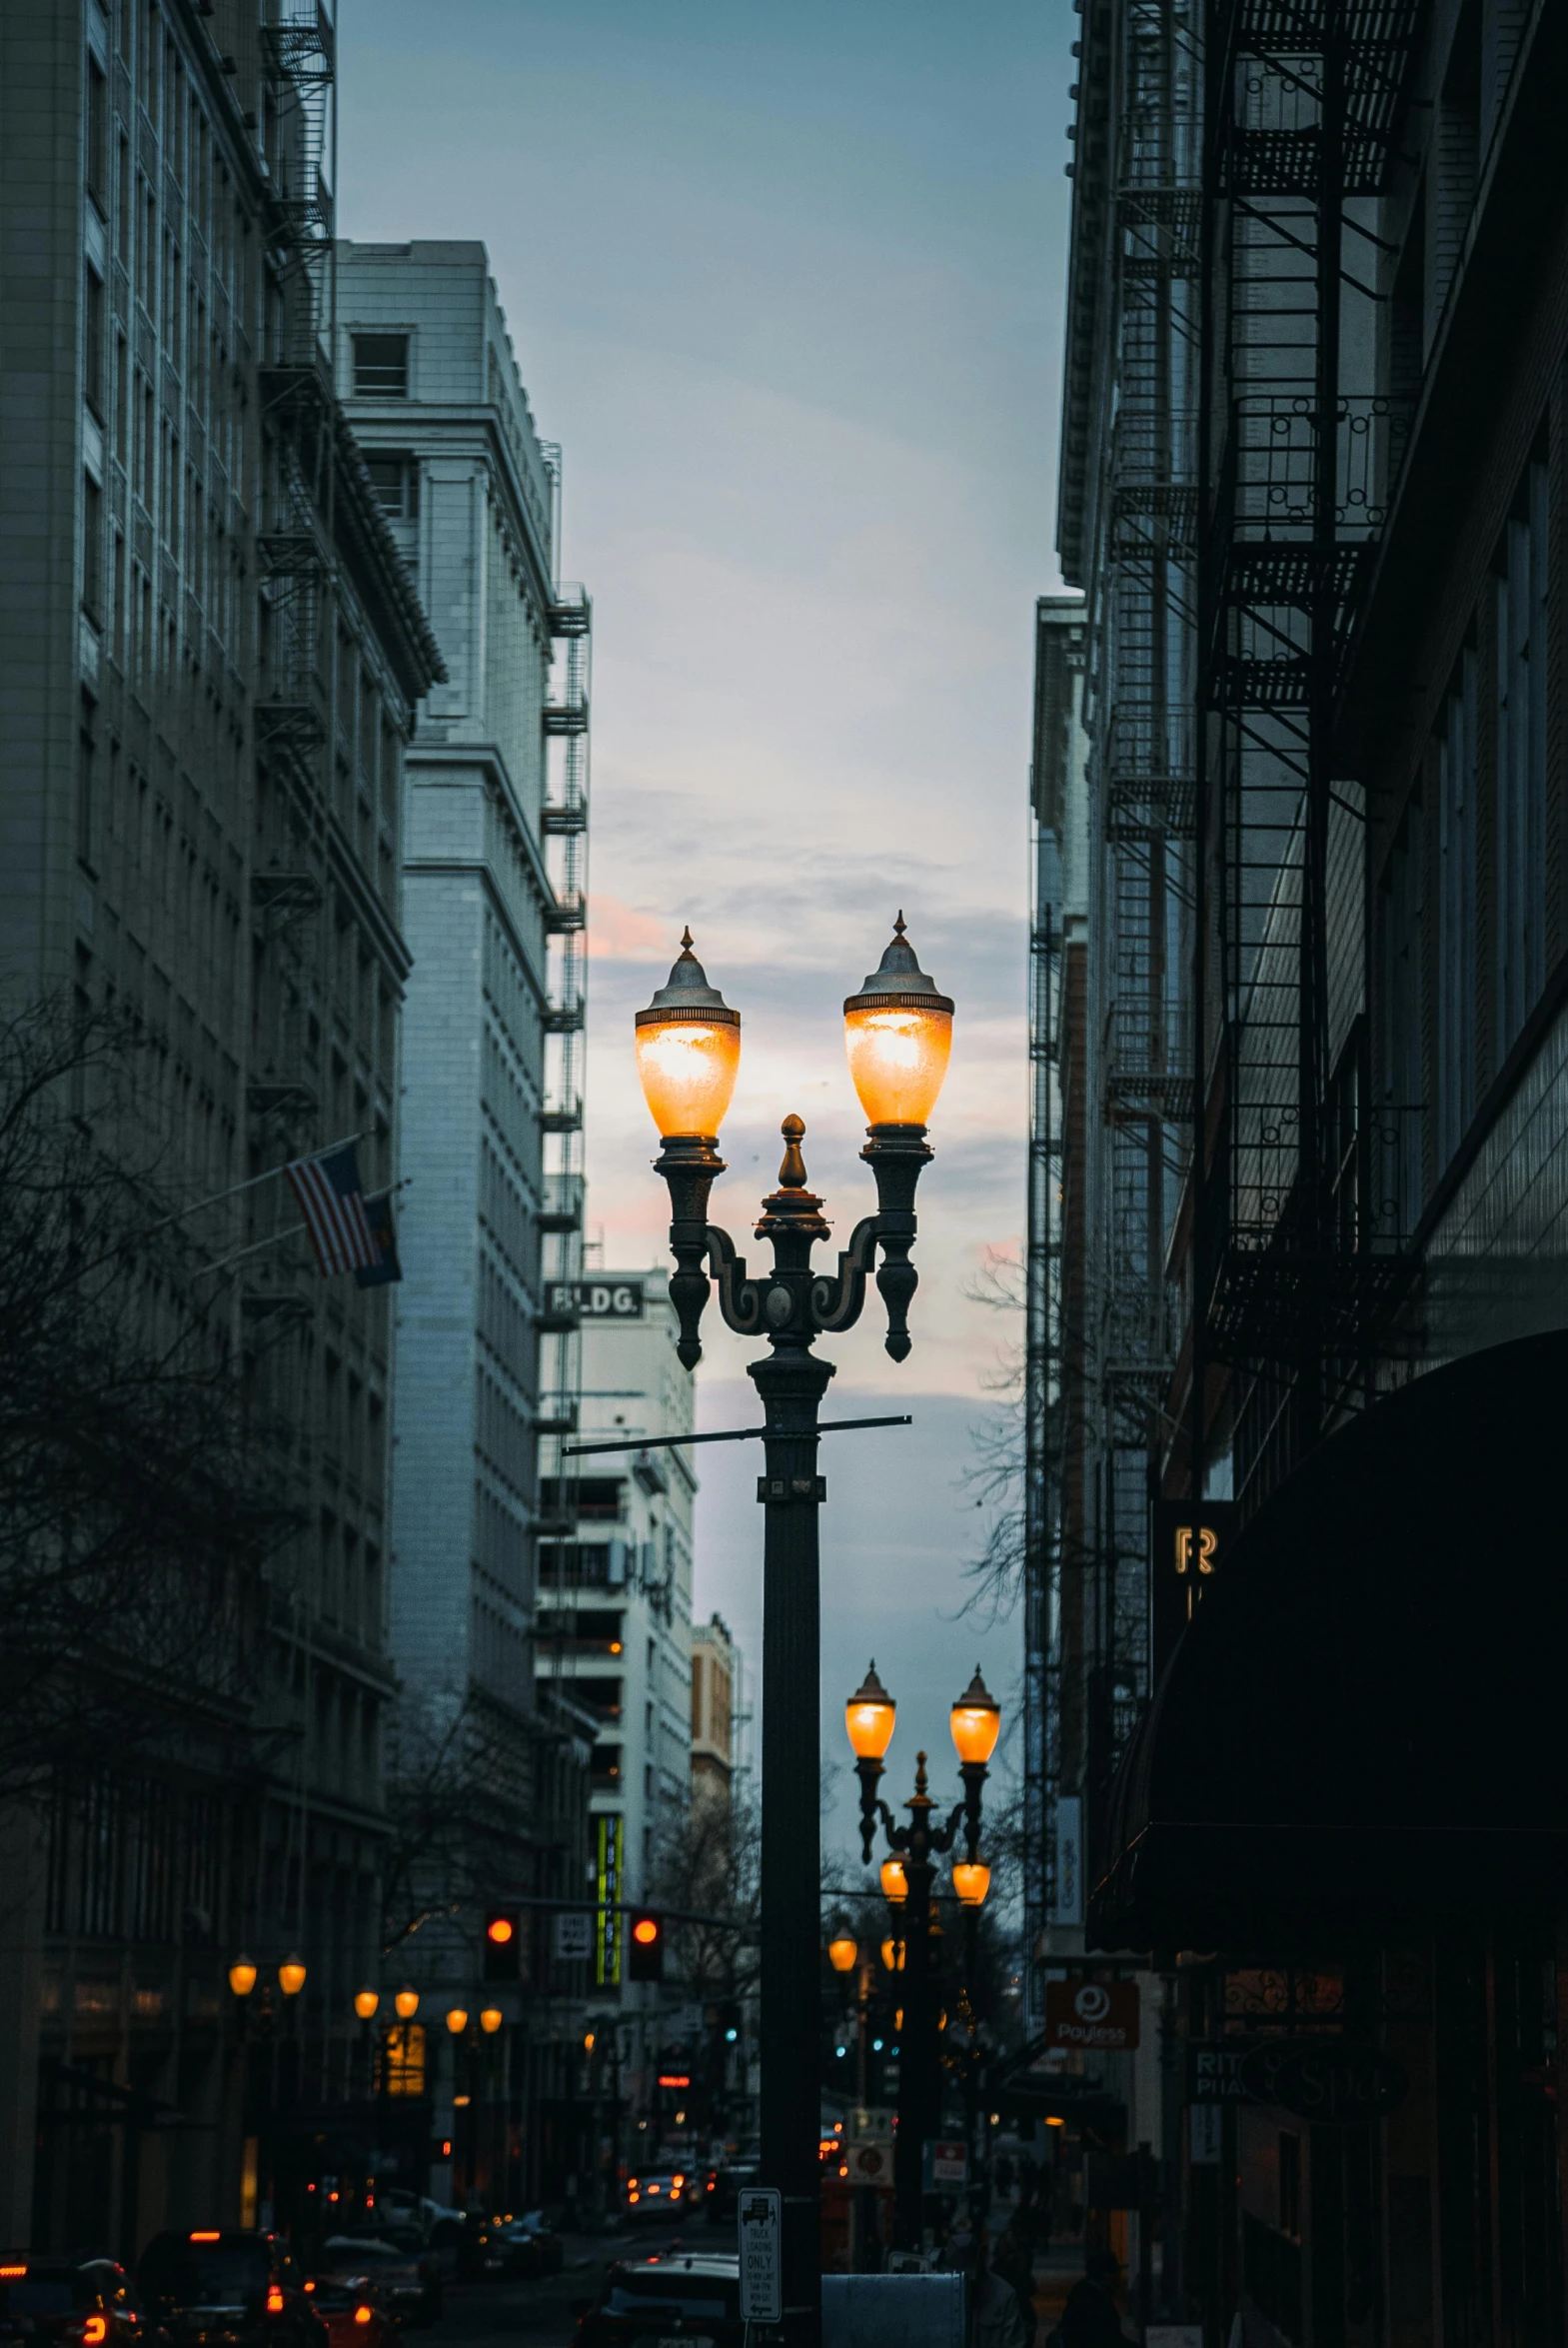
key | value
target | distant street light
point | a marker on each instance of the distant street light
(366, 2003)
(975, 1723)
(406, 2004)
(242, 1977)
(291, 1976)
(898, 1035)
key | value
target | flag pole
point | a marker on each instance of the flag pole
(290, 1231)
(250, 1183)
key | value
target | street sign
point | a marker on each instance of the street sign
(575, 1932)
(945, 2164)
(870, 2163)
(1067, 1890)
(761, 2261)
(1189, 1550)
(1102, 2014)
(1214, 2072)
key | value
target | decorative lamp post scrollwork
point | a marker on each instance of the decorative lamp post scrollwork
(898, 1034)
(908, 1877)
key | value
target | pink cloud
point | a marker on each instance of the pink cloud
(617, 931)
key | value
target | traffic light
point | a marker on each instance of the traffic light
(645, 1946)
(729, 2021)
(503, 1944)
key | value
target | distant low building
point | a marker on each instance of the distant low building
(716, 1672)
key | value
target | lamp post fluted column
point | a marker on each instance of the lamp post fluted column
(898, 1031)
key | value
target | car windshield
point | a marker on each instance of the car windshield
(207, 2272)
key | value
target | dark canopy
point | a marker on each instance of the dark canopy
(1370, 1706)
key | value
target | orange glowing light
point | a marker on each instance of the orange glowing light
(870, 1718)
(490, 2018)
(273, 2300)
(10, 2273)
(898, 1033)
(975, 1720)
(842, 1950)
(894, 1882)
(95, 2331)
(644, 1930)
(687, 1050)
(362, 2315)
(407, 2004)
(501, 1931)
(291, 1976)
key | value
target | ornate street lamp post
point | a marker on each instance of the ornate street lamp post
(907, 1878)
(897, 1031)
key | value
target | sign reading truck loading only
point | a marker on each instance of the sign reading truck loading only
(1102, 2014)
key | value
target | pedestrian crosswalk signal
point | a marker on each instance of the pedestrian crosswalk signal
(646, 1947)
(503, 1944)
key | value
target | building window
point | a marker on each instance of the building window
(1521, 607)
(92, 548)
(403, 2059)
(395, 483)
(381, 366)
(98, 136)
(1457, 911)
(1403, 963)
(93, 341)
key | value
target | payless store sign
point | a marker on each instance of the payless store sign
(1190, 1549)
(1102, 2014)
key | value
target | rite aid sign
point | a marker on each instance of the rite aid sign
(1100, 2014)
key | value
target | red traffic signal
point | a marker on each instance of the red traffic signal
(503, 1944)
(645, 1946)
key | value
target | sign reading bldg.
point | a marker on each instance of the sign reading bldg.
(599, 1300)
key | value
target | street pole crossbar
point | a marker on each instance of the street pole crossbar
(731, 1434)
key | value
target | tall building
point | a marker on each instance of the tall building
(493, 881)
(213, 653)
(1364, 1269)
(615, 1620)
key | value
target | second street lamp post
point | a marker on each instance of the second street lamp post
(908, 1878)
(898, 1031)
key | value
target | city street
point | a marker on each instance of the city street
(476, 2314)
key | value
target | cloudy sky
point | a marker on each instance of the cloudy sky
(784, 278)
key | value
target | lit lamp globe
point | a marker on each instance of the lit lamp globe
(291, 1976)
(490, 2020)
(975, 1720)
(842, 1950)
(870, 1718)
(898, 1033)
(687, 1052)
(365, 2003)
(971, 1879)
(896, 1883)
(456, 2019)
(407, 2004)
(242, 1977)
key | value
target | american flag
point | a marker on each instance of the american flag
(332, 1200)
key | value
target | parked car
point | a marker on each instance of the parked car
(79, 2303)
(528, 2246)
(354, 2314)
(662, 2192)
(222, 2288)
(693, 2298)
(405, 2277)
(723, 2186)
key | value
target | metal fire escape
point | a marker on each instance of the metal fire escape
(1291, 1254)
(296, 130)
(1144, 764)
(563, 822)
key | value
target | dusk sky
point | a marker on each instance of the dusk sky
(784, 279)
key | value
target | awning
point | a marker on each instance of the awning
(1372, 1706)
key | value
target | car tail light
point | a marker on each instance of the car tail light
(633, 2196)
(273, 2300)
(9, 2274)
(362, 2315)
(95, 2331)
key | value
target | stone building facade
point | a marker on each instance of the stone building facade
(212, 657)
